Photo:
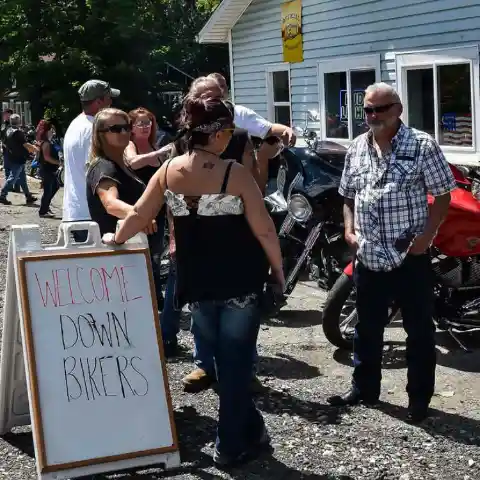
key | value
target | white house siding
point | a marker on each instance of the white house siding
(334, 28)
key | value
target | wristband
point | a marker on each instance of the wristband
(115, 240)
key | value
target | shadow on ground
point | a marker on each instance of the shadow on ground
(452, 426)
(296, 318)
(196, 434)
(279, 403)
(285, 367)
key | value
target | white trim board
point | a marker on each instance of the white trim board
(343, 64)
(468, 54)
(271, 104)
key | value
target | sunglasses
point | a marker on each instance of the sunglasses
(142, 124)
(379, 108)
(120, 128)
(229, 130)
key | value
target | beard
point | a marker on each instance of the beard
(378, 126)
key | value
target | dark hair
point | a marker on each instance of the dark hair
(8, 110)
(43, 127)
(201, 112)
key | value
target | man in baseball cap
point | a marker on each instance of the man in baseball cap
(95, 95)
(96, 89)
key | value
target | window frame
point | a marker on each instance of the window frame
(347, 65)
(421, 59)
(271, 104)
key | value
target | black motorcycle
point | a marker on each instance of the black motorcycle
(311, 235)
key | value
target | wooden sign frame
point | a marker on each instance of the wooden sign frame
(22, 260)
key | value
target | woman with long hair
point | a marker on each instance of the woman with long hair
(141, 154)
(112, 188)
(225, 243)
(49, 162)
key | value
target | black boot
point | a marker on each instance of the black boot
(417, 411)
(352, 397)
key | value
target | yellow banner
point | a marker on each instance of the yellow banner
(292, 37)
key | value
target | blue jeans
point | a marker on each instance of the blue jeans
(50, 188)
(16, 176)
(155, 243)
(230, 330)
(203, 353)
(6, 164)
(170, 318)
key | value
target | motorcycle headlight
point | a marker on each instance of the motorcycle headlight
(299, 207)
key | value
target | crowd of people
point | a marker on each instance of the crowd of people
(206, 188)
(17, 149)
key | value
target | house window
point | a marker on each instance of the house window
(278, 88)
(439, 90)
(342, 84)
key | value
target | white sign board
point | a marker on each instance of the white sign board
(98, 390)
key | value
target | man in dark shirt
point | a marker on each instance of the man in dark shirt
(6, 114)
(18, 150)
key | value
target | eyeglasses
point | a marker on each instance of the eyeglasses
(147, 123)
(120, 128)
(379, 108)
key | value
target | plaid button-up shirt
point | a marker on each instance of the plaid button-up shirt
(390, 194)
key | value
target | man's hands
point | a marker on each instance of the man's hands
(267, 151)
(421, 244)
(288, 137)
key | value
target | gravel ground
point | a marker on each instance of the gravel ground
(300, 369)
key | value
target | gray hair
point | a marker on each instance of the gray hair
(15, 119)
(384, 88)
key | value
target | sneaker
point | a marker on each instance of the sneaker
(4, 201)
(197, 381)
(46, 215)
(31, 199)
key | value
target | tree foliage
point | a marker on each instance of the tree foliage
(129, 43)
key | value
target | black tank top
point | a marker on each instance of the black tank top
(145, 173)
(218, 257)
(236, 147)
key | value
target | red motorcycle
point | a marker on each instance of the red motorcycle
(455, 257)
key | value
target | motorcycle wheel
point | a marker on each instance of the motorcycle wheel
(340, 332)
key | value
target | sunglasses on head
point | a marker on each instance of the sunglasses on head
(379, 108)
(119, 128)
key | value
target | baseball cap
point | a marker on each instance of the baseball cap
(94, 89)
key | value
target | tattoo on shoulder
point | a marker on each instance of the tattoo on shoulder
(208, 165)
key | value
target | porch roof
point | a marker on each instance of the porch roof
(224, 17)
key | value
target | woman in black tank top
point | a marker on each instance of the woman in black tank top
(225, 243)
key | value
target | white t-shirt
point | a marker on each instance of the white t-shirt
(76, 149)
(250, 120)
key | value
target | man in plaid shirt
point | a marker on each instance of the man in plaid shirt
(388, 172)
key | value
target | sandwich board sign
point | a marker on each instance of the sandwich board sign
(82, 338)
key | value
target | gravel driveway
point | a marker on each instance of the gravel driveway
(300, 369)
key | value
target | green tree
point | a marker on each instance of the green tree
(132, 44)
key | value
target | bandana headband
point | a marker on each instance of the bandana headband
(213, 127)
